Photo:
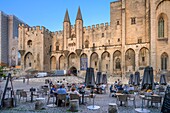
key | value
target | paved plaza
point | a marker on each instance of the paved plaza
(101, 100)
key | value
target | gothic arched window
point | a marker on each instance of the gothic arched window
(86, 44)
(164, 61)
(57, 46)
(161, 27)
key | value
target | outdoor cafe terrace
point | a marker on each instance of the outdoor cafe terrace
(137, 101)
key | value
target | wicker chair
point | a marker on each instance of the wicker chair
(156, 100)
(132, 97)
(75, 96)
(62, 97)
(161, 91)
(122, 98)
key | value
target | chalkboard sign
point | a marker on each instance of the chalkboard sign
(166, 104)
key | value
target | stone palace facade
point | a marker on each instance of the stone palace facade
(137, 36)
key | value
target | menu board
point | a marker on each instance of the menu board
(166, 104)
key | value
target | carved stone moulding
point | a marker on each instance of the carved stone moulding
(21, 52)
(78, 51)
(66, 52)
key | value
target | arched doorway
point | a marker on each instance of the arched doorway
(53, 63)
(73, 71)
(62, 63)
(94, 61)
(143, 57)
(83, 62)
(28, 60)
(130, 60)
(72, 60)
(105, 62)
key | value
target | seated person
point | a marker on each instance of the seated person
(125, 89)
(74, 91)
(53, 89)
(131, 89)
(119, 88)
(61, 90)
(102, 87)
(111, 89)
(115, 84)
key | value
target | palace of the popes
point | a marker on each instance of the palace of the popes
(136, 36)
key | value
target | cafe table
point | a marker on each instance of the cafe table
(142, 109)
(93, 107)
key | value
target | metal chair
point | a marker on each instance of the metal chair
(49, 96)
(23, 94)
(18, 92)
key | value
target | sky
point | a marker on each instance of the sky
(50, 13)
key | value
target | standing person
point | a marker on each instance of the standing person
(27, 79)
(23, 79)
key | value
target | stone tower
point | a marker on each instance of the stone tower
(79, 30)
(67, 29)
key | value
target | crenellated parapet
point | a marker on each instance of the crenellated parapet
(97, 27)
(35, 30)
(58, 33)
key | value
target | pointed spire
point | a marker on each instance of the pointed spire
(66, 18)
(79, 16)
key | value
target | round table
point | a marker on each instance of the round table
(93, 107)
(142, 110)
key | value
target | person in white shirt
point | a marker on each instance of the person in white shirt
(74, 91)
(102, 87)
(131, 88)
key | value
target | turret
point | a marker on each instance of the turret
(21, 38)
(79, 30)
(67, 29)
